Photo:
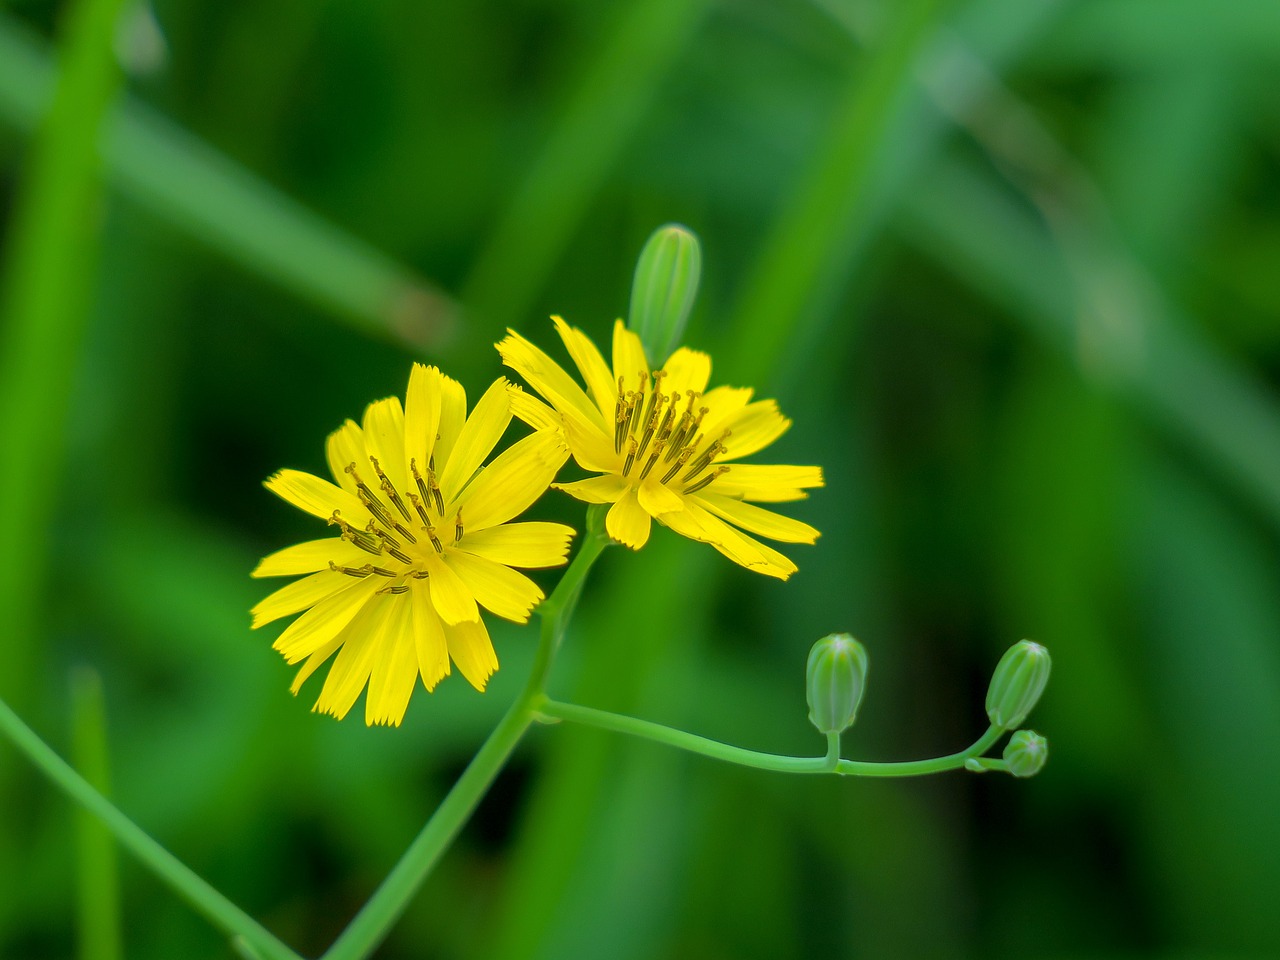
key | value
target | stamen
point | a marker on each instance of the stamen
(685, 454)
(457, 527)
(358, 572)
(435, 541)
(396, 588)
(381, 534)
(383, 572)
(619, 418)
(418, 574)
(702, 461)
(632, 403)
(435, 491)
(358, 537)
(648, 430)
(631, 458)
(682, 431)
(389, 489)
(422, 486)
(398, 555)
(417, 505)
(404, 531)
(717, 472)
(374, 506)
(655, 397)
(657, 452)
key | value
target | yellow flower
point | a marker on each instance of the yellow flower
(424, 542)
(664, 446)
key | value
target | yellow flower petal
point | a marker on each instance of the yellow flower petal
(310, 556)
(422, 415)
(687, 370)
(755, 427)
(317, 497)
(362, 642)
(627, 521)
(344, 447)
(582, 421)
(546, 376)
(313, 663)
(698, 524)
(324, 621)
(515, 478)
(428, 635)
(595, 372)
(299, 595)
(450, 596)
(629, 361)
(530, 544)
(656, 499)
(471, 649)
(497, 588)
(533, 411)
(605, 489)
(723, 404)
(482, 430)
(768, 483)
(384, 440)
(754, 519)
(395, 667)
(453, 414)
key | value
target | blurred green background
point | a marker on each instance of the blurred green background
(1014, 269)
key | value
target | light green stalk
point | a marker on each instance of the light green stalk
(98, 930)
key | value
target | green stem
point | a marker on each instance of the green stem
(550, 710)
(220, 911)
(370, 926)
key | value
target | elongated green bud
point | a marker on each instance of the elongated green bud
(1016, 685)
(665, 285)
(836, 678)
(1026, 753)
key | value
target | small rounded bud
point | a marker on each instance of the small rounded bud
(836, 678)
(1017, 683)
(1026, 753)
(665, 285)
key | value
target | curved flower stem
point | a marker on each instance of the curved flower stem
(216, 908)
(552, 710)
(370, 926)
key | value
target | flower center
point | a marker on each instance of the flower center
(650, 425)
(391, 532)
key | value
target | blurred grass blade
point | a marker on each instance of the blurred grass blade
(50, 264)
(99, 888)
(813, 234)
(203, 193)
(1086, 297)
(612, 96)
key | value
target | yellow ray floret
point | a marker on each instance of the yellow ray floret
(423, 544)
(663, 446)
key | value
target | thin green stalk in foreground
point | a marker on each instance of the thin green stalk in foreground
(371, 925)
(551, 710)
(216, 908)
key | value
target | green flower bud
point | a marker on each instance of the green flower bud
(836, 678)
(665, 285)
(1026, 753)
(1016, 685)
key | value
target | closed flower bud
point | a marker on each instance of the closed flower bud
(836, 678)
(1026, 753)
(1016, 685)
(665, 285)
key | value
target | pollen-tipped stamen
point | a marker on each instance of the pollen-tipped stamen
(435, 541)
(457, 527)
(705, 481)
(389, 489)
(681, 460)
(631, 457)
(358, 572)
(653, 458)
